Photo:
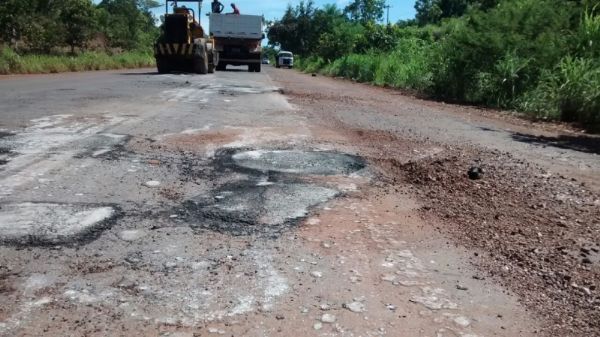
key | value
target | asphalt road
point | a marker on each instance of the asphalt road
(133, 203)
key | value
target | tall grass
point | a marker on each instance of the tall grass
(407, 66)
(12, 63)
(571, 92)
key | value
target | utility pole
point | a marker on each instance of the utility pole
(387, 7)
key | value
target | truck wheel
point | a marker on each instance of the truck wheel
(200, 65)
(200, 61)
(257, 67)
(211, 68)
(251, 68)
(162, 66)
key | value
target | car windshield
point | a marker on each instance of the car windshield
(285, 54)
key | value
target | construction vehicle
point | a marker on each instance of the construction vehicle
(237, 40)
(183, 44)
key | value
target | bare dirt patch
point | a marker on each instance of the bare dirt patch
(539, 232)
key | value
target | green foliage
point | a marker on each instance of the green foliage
(588, 34)
(541, 57)
(344, 39)
(9, 61)
(570, 92)
(476, 51)
(12, 63)
(297, 30)
(407, 66)
(365, 11)
(49, 26)
(433, 11)
(77, 18)
(128, 24)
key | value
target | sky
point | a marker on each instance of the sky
(273, 9)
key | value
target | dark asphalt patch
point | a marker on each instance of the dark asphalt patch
(4, 150)
(4, 134)
(271, 198)
(248, 207)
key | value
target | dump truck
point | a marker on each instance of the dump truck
(237, 40)
(183, 44)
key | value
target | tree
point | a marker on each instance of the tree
(13, 21)
(30, 23)
(365, 11)
(128, 24)
(432, 11)
(295, 31)
(77, 17)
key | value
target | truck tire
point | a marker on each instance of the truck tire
(200, 65)
(162, 66)
(257, 67)
(200, 60)
(214, 57)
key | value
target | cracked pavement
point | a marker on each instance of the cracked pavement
(133, 203)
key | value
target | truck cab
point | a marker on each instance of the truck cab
(284, 59)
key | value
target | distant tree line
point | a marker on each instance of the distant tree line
(45, 26)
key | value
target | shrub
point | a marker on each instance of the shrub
(9, 61)
(476, 50)
(570, 92)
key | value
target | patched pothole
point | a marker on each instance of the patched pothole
(299, 162)
(276, 190)
(51, 223)
(246, 208)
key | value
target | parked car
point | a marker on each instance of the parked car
(284, 59)
(265, 60)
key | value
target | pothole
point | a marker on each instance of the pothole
(299, 162)
(50, 223)
(266, 192)
(249, 208)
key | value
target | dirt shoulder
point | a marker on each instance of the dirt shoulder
(557, 147)
(531, 221)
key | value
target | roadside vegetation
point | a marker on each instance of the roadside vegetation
(539, 57)
(40, 36)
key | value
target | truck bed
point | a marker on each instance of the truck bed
(236, 26)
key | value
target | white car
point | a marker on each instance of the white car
(284, 59)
